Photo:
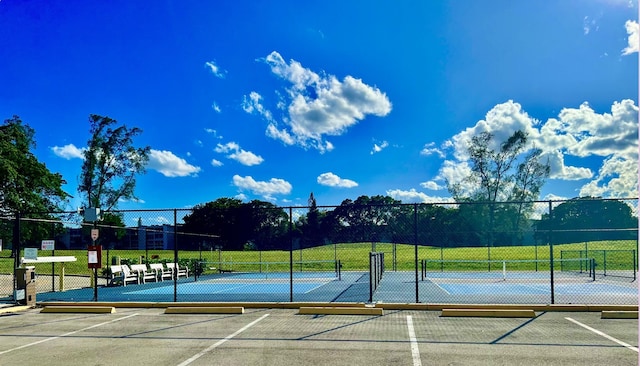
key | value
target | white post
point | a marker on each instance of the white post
(504, 270)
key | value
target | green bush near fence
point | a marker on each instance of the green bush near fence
(353, 256)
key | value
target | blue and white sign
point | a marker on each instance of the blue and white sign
(48, 245)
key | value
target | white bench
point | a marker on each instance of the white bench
(177, 271)
(143, 273)
(122, 274)
(161, 271)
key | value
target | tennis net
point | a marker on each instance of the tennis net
(300, 269)
(508, 269)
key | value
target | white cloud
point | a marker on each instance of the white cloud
(617, 178)
(69, 151)
(432, 185)
(242, 156)
(332, 180)
(559, 170)
(253, 104)
(216, 163)
(633, 42)
(282, 135)
(413, 196)
(213, 132)
(315, 105)
(216, 107)
(377, 148)
(215, 69)
(266, 189)
(588, 24)
(170, 165)
(578, 133)
(430, 149)
(246, 158)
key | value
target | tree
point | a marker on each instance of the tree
(26, 185)
(236, 223)
(365, 219)
(312, 228)
(588, 219)
(495, 177)
(111, 163)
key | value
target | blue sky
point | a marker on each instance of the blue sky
(273, 100)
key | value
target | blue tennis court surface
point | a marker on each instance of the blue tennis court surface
(525, 289)
(230, 288)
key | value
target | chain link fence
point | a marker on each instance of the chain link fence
(559, 252)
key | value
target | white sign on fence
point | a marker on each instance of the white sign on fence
(48, 245)
(31, 253)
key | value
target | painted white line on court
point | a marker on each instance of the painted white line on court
(220, 342)
(604, 335)
(440, 287)
(415, 352)
(66, 334)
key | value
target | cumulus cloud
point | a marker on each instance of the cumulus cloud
(577, 133)
(215, 69)
(332, 180)
(69, 151)
(432, 185)
(266, 189)
(377, 148)
(216, 107)
(238, 154)
(430, 149)
(633, 42)
(216, 163)
(413, 196)
(316, 105)
(169, 165)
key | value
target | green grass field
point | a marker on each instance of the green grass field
(353, 256)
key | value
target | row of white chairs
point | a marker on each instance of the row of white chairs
(141, 273)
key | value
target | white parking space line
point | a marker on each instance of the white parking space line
(604, 335)
(66, 334)
(220, 342)
(415, 352)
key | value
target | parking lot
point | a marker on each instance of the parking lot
(136, 336)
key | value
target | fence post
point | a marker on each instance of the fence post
(634, 265)
(16, 252)
(415, 243)
(550, 238)
(175, 254)
(290, 254)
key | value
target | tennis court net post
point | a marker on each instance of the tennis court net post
(376, 270)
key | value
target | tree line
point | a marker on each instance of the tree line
(259, 225)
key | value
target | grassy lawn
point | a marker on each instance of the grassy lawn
(353, 256)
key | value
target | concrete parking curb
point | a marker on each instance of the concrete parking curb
(79, 309)
(340, 311)
(385, 306)
(15, 309)
(204, 310)
(488, 313)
